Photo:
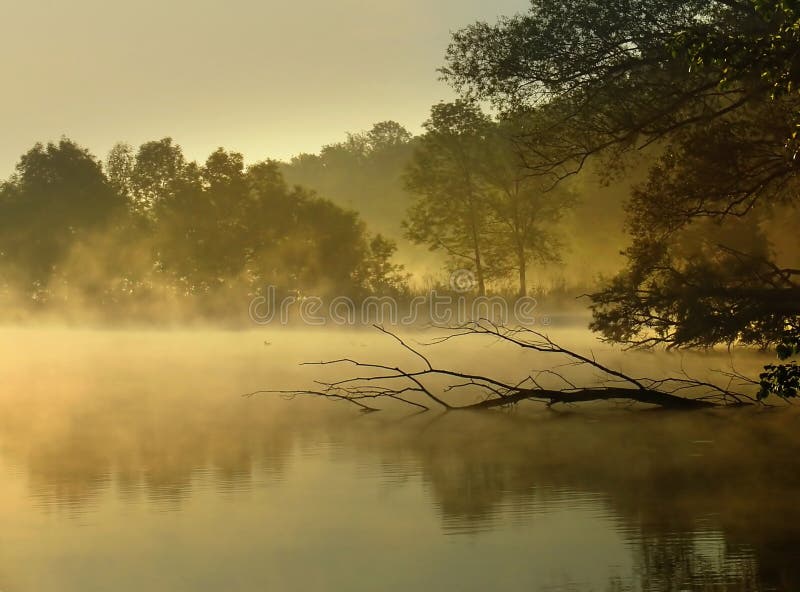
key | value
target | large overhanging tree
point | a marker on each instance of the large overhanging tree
(620, 74)
(714, 87)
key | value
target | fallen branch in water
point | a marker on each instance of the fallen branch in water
(417, 388)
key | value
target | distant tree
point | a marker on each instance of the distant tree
(364, 173)
(57, 197)
(119, 167)
(387, 135)
(187, 230)
(224, 171)
(380, 274)
(160, 172)
(199, 224)
(477, 202)
(226, 243)
(243, 225)
(311, 244)
(452, 211)
(525, 208)
(335, 239)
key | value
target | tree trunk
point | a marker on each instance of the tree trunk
(479, 272)
(479, 275)
(523, 277)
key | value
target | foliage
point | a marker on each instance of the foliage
(712, 85)
(452, 213)
(380, 275)
(368, 172)
(759, 51)
(57, 198)
(525, 208)
(155, 223)
(783, 379)
(361, 173)
(474, 200)
(689, 291)
(725, 287)
(759, 46)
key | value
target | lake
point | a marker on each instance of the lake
(130, 461)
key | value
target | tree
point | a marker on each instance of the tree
(160, 172)
(525, 209)
(607, 78)
(188, 231)
(201, 226)
(118, 167)
(727, 287)
(646, 71)
(604, 77)
(710, 283)
(364, 173)
(57, 198)
(761, 49)
(452, 211)
(387, 135)
(714, 86)
(379, 274)
(476, 200)
(311, 244)
(760, 52)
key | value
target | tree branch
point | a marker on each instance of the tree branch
(435, 384)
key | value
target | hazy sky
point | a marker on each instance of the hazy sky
(266, 78)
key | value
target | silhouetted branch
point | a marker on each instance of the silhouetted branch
(431, 385)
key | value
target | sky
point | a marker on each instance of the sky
(265, 78)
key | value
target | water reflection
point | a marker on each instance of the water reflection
(701, 498)
(94, 448)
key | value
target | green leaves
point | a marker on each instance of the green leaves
(780, 380)
(783, 380)
(789, 345)
(760, 47)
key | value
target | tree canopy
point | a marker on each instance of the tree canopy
(57, 197)
(712, 86)
(149, 222)
(474, 200)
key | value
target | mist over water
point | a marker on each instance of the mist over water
(352, 296)
(130, 461)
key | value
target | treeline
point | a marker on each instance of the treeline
(459, 197)
(149, 233)
(148, 228)
(364, 172)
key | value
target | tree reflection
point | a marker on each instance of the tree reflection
(704, 500)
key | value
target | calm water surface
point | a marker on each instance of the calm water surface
(128, 461)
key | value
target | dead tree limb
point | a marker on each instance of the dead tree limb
(429, 386)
